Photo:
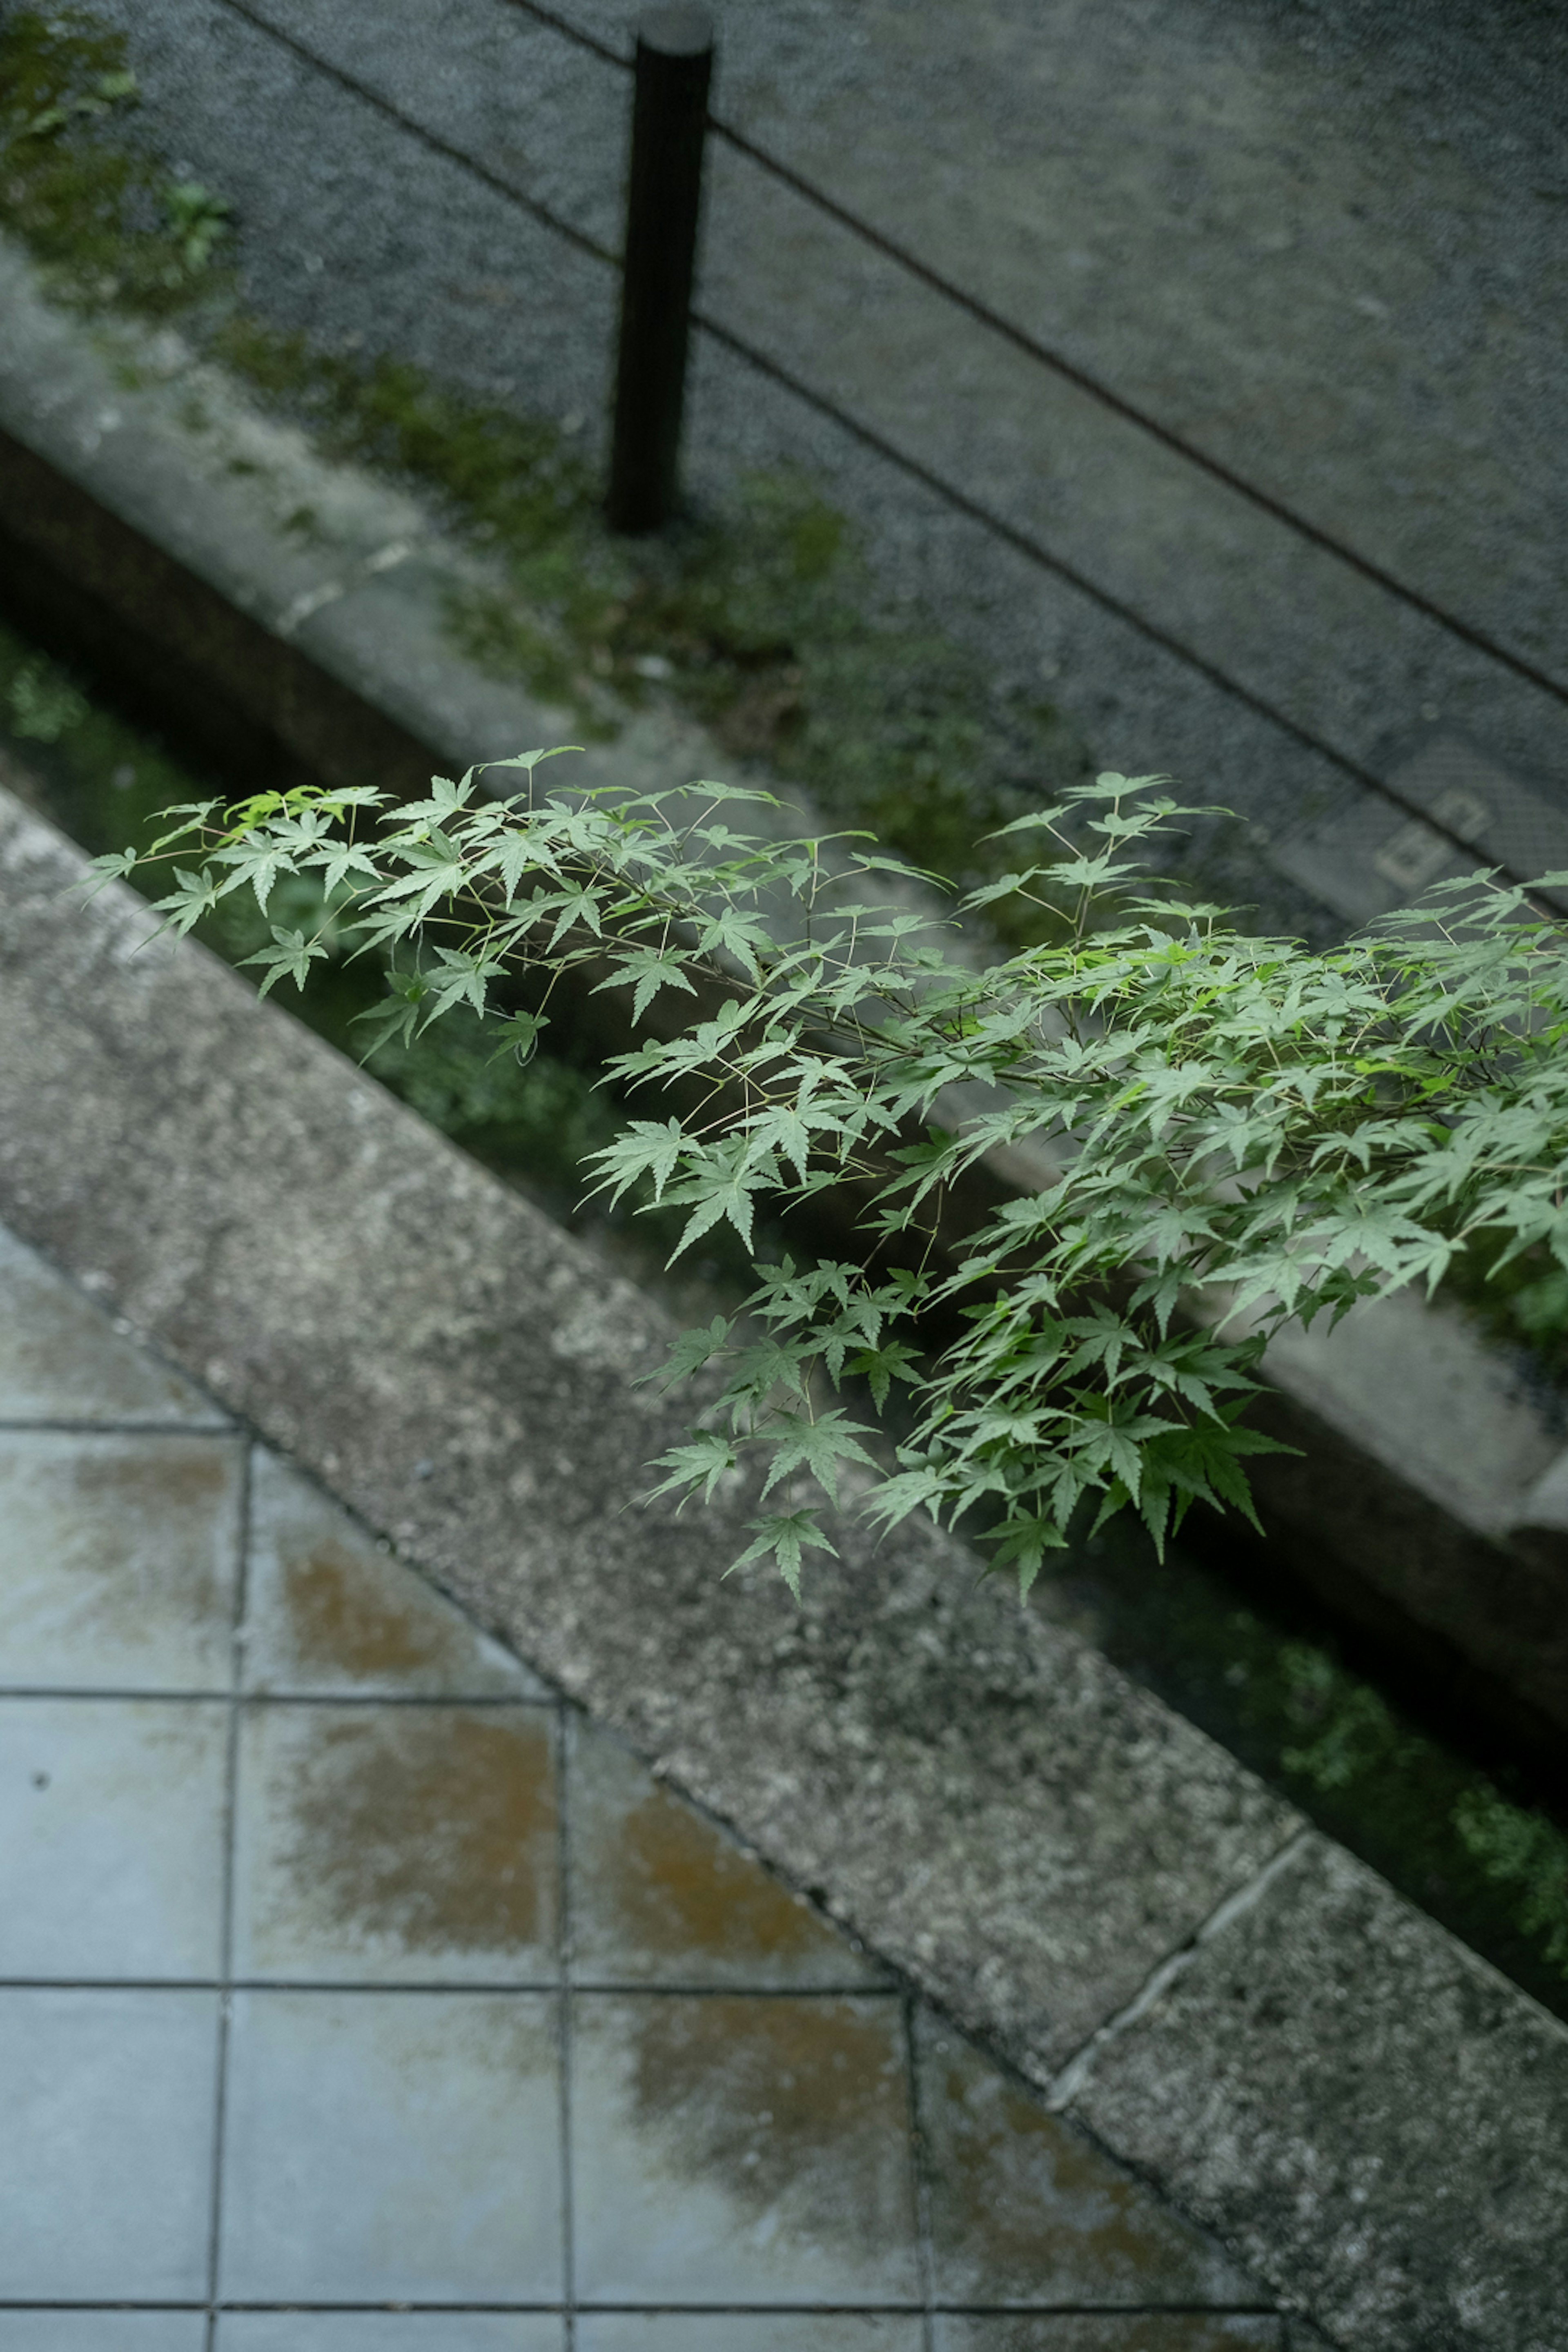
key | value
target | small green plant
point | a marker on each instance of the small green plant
(1345, 1730)
(1526, 1851)
(106, 222)
(197, 219)
(42, 703)
(1242, 1131)
(104, 90)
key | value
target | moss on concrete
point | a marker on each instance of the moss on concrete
(109, 222)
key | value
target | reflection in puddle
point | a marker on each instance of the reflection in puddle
(433, 1825)
(1024, 2207)
(677, 1887)
(343, 1619)
(792, 2103)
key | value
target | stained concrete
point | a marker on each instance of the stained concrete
(993, 1808)
(1417, 2218)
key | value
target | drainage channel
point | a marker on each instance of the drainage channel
(1460, 1828)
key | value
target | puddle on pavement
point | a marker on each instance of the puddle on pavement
(119, 1555)
(341, 1621)
(327, 1608)
(1024, 2209)
(430, 1826)
(659, 1892)
(141, 1493)
(147, 1482)
(780, 2102)
(677, 1889)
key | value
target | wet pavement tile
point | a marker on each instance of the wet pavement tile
(326, 1610)
(736, 2148)
(103, 2331)
(396, 1845)
(111, 1825)
(760, 2331)
(1024, 2209)
(740, 2109)
(392, 2147)
(62, 1358)
(386, 2331)
(1163, 2331)
(662, 1895)
(119, 1558)
(106, 2153)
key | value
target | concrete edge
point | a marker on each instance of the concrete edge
(141, 543)
(1046, 1852)
(1319, 1990)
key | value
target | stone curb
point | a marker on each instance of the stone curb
(1366, 2113)
(150, 522)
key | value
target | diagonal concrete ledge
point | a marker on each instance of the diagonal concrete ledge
(1370, 2116)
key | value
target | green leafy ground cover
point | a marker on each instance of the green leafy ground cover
(1472, 1847)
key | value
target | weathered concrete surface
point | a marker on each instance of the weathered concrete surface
(981, 1797)
(1425, 2204)
(328, 648)
(1409, 1505)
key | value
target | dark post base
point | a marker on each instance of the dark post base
(669, 122)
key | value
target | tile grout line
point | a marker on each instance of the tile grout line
(1069, 2079)
(565, 1760)
(56, 1427)
(261, 1698)
(919, 2161)
(627, 1989)
(226, 1952)
(1064, 2310)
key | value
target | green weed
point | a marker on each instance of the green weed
(108, 221)
(1525, 1852)
(42, 703)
